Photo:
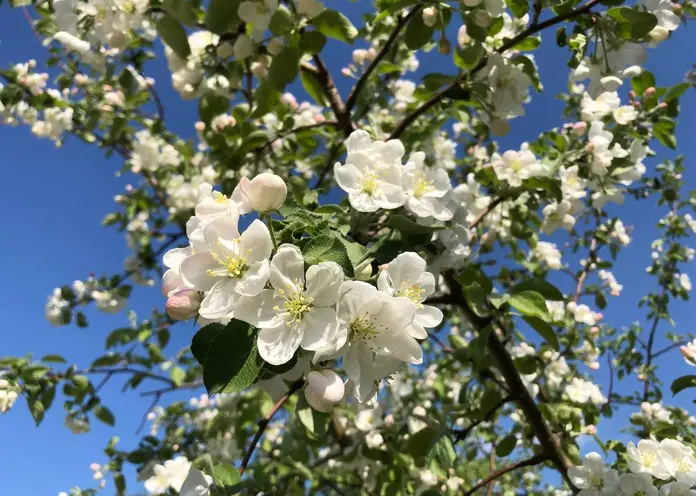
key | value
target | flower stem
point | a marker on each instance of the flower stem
(268, 218)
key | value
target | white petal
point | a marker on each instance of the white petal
(194, 273)
(259, 310)
(254, 279)
(357, 141)
(287, 267)
(173, 258)
(323, 282)
(220, 229)
(417, 331)
(406, 268)
(428, 316)
(320, 328)
(220, 300)
(257, 244)
(347, 177)
(278, 345)
(353, 296)
(362, 202)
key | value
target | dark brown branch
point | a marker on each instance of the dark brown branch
(535, 460)
(186, 385)
(439, 342)
(669, 348)
(479, 218)
(649, 349)
(531, 30)
(355, 92)
(331, 93)
(506, 366)
(263, 423)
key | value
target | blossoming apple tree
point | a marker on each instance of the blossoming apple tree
(384, 300)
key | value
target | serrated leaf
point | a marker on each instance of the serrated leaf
(327, 249)
(541, 286)
(313, 87)
(225, 475)
(506, 446)
(530, 304)
(105, 415)
(54, 359)
(544, 330)
(221, 15)
(407, 226)
(174, 35)
(335, 25)
(682, 383)
(232, 363)
(203, 339)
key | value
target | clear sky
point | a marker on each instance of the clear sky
(54, 199)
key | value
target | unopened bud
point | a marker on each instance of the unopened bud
(687, 353)
(225, 50)
(650, 92)
(200, 126)
(264, 193)
(591, 429)
(482, 18)
(183, 305)
(658, 33)
(443, 46)
(594, 330)
(579, 128)
(324, 389)
(463, 37)
(275, 46)
(429, 16)
(500, 127)
(636, 104)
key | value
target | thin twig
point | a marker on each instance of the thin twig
(462, 434)
(439, 342)
(355, 92)
(535, 460)
(263, 423)
(533, 29)
(331, 92)
(669, 348)
(186, 385)
(585, 272)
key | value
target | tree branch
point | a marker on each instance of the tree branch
(532, 29)
(535, 460)
(586, 270)
(331, 92)
(263, 423)
(355, 92)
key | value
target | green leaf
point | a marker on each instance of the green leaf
(312, 42)
(37, 409)
(120, 483)
(676, 91)
(518, 7)
(505, 447)
(313, 87)
(105, 415)
(664, 132)
(54, 359)
(265, 98)
(442, 452)
(469, 56)
(327, 249)
(177, 374)
(316, 423)
(335, 25)
(211, 105)
(682, 383)
(530, 304)
(541, 286)
(633, 24)
(407, 226)
(421, 442)
(642, 82)
(225, 475)
(232, 362)
(281, 22)
(528, 44)
(417, 33)
(203, 339)
(221, 15)
(182, 11)
(544, 330)
(174, 35)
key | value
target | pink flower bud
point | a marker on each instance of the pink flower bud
(631, 94)
(594, 330)
(676, 7)
(264, 193)
(663, 105)
(108, 87)
(579, 128)
(591, 429)
(389, 420)
(200, 126)
(94, 467)
(687, 352)
(636, 104)
(429, 16)
(324, 389)
(346, 71)
(650, 91)
(319, 118)
(183, 305)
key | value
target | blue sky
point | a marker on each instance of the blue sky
(54, 200)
